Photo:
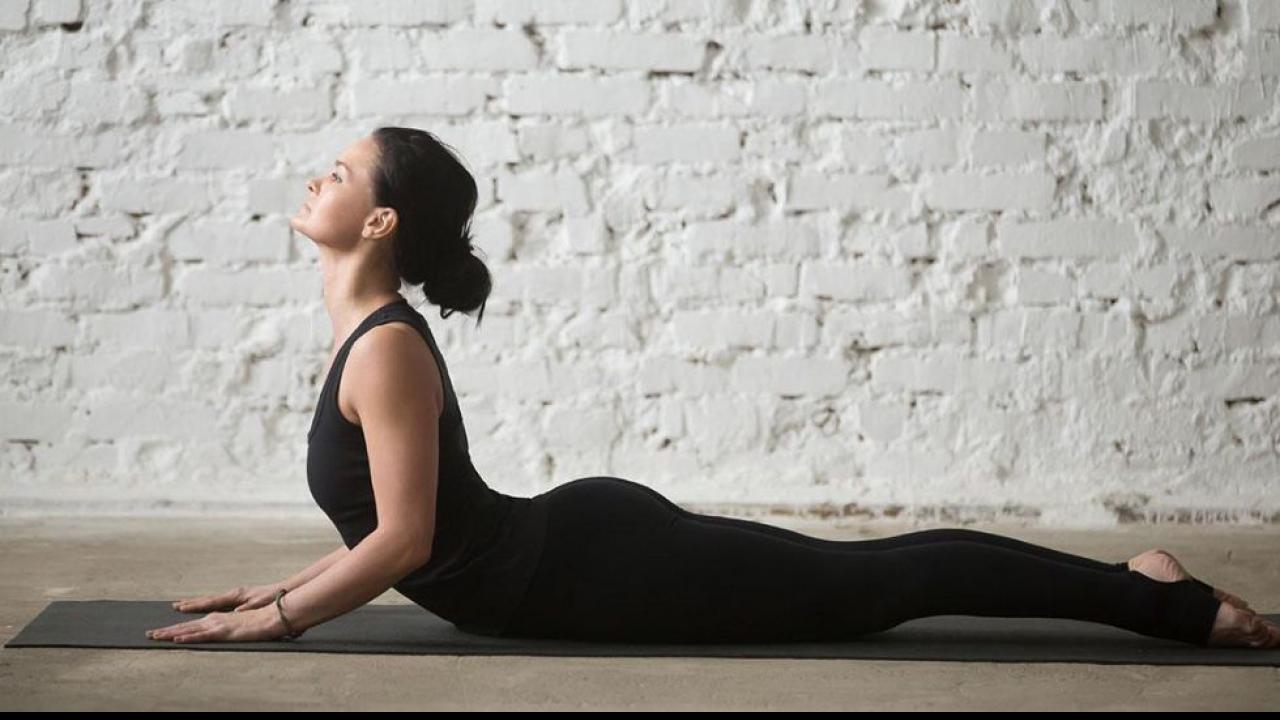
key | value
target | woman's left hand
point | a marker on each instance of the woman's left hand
(245, 626)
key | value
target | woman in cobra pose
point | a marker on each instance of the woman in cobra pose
(598, 557)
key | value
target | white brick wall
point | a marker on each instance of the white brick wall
(960, 259)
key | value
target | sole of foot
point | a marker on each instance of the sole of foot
(1234, 627)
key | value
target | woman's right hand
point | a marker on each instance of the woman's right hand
(236, 599)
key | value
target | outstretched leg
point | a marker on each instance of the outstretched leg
(918, 537)
(933, 535)
(620, 564)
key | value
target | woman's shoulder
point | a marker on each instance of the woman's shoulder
(391, 362)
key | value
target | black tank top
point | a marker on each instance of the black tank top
(486, 544)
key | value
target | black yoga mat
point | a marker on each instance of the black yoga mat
(412, 630)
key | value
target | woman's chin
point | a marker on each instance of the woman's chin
(298, 226)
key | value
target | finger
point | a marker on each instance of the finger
(179, 628)
(204, 601)
(195, 635)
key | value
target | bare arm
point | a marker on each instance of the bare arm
(398, 396)
(364, 573)
(319, 566)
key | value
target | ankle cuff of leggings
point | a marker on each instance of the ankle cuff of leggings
(1190, 612)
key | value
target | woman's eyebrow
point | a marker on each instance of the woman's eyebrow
(339, 162)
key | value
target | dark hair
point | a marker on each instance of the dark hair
(433, 195)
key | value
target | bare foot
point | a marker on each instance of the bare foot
(1234, 627)
(1161, 565)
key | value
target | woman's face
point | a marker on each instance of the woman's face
(339, 204)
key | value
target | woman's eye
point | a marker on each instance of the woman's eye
(335, 176)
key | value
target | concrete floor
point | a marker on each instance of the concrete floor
(74, 558)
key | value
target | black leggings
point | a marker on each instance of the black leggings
(623, 563)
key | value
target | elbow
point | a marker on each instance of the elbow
(411, 548)
(421, 556)
(417, 551)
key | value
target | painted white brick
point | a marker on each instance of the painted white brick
(882, 48)
(793, 331)
(310, 106)
(685, 143)
(1244, 197)
(225, 149)
(35, 421)
(548, 12)
(1042, 287)
(627, 51)
(863, 148)
(926, 148)
(972, 54)
(1073, 238)
(814, 191)
(969, 191)
(882, 100)
(435, 95)
(1236, 242)
(1136, 55)
(381, 48)
(1262, 55)
(1263, 14)
(965, 237)
(13, 14)
(1234, 381)
(848, 282)
(575, 95)
(154, 195)
(788, 375)
(179, 15)
(1177, 14)
(39, 329)
(253, 287)
(389, 12)
(38, 238)
(57, 11)
(766, 98)
(693, 197)
(809, 53)
(467, 49)
(98, 285)
(1102, 279)
(1161, 99)
(543, 142)
(146, 327)
(718, 329)
(1002, 100)
(682, 11)
(1010, 16)
(544, 191)
(310, 56)
(1007, 147)
(1109, 332)
(725, 240)
(228, 243)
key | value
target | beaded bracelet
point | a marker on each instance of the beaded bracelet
(287, 625)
